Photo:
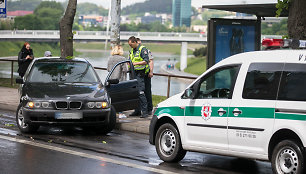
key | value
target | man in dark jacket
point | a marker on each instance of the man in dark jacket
(25, 57)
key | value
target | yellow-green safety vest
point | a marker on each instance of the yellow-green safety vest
(137, 58)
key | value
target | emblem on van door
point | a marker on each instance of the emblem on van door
(206, 111)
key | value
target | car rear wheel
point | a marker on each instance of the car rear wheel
(168, 144)
(24, 127)
(288, 157)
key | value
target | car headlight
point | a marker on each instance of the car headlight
(91, 105)
(97, 105)
(35, 104)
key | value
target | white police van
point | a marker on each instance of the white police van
(250, 105)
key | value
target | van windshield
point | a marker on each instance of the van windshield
(65, 72)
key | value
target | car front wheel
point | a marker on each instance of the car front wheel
(24, 127)
(111, 123)
(168, 144)
(288, 157)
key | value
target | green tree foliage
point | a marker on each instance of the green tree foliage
(200, 52)
(6, 25)
(28, 22)
(156, 26)
(90, 8)
(275, 29)
(198, 22)
(152, 27)
(46, 17)
(49, 4)
(207, 14)
(152, 6)
(281, 5)
(27, 5)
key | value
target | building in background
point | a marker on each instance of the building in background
(149, 18)
(91, 21)
(12, 14)
(181, 13)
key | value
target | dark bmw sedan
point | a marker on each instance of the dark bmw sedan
(57, 91)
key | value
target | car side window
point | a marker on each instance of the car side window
(262, 81)
(121, 71)
(293, 83)
(217, 84)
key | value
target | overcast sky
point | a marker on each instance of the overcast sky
(105, 3)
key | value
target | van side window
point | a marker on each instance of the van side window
(262, 81)
(218, 84)
(293, 83)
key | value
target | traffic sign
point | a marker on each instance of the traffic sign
(2, 8)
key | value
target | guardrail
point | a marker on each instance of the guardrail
(89, 36)
(100, 33)
(169, 76)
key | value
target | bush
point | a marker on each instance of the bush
(200, 52)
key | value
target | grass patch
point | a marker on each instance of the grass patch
(157, 99)
(194, 65)
(154, 47)
(13, 48)
(5, 82)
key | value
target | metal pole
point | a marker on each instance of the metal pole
(115, 25)
(168, 90)
(183, 64)
(108, 22)
(12, 71)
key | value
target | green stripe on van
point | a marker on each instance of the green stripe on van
(196, 111)
(173, 111)
(248, 112)
(288, 116)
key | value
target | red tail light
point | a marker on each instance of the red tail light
(272, 42)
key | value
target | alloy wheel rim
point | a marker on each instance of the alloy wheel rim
(168, 142)
(21, 119)
(287, 161)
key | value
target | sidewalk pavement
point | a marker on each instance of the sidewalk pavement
(9, 101)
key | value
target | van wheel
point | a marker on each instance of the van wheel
(168, 144)
(288, 157)
(24, 127)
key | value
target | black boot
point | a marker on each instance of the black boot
(135, 113)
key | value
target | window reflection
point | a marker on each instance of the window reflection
(66, 72)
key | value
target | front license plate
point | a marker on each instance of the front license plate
(68, 115)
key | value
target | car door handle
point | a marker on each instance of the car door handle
(236, 112)
(221, 111)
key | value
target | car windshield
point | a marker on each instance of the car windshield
(65, 72)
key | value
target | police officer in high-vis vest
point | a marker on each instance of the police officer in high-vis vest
(140, 59)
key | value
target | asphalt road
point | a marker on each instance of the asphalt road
(73, 150)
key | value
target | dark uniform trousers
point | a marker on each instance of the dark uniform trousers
(140, 75)
(148, 92)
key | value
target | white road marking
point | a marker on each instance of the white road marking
(81, 154)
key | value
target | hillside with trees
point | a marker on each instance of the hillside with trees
(46, 16)
(28, 5)
(152, 6)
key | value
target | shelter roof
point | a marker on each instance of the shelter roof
(261, 8)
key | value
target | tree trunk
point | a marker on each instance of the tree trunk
(297, 19)
(66, 35)
(115, 22)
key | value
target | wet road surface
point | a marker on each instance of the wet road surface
(73, 150)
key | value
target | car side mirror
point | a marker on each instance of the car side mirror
(19, 80)
(113, 81)
(188, 93)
